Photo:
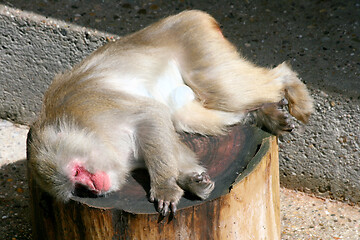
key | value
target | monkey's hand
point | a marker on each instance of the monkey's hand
(166, 196)
(199, 184)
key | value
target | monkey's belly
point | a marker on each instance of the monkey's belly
(168, 87)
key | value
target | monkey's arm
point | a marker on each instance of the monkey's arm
(159, 147)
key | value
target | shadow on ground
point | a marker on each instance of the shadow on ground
(14, 198)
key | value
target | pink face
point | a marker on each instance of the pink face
(98, 182)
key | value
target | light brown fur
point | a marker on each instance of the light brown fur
(109, 100)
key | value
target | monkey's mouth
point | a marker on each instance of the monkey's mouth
(83, 191)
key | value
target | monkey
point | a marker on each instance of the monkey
(123, 106)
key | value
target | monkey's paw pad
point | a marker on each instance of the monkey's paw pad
(166, 197)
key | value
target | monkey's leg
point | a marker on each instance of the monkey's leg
(283, 84)
(228, 83)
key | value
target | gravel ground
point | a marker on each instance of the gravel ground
(302, 216)
(307, 217)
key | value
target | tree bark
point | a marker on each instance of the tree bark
(244, 204)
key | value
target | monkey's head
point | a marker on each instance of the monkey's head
(64, 159)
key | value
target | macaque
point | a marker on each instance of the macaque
(122, 107)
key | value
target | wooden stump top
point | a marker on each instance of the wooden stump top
(228, 159)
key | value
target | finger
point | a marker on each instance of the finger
(165, 210)
(173, 208)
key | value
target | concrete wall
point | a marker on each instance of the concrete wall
(321, 40)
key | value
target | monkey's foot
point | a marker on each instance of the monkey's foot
(166, 196)
(274, 118)
(198, 184)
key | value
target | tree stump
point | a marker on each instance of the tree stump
(244, 204)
